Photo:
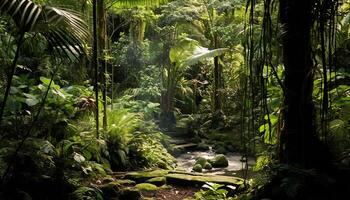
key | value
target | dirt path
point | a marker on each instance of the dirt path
(175, 193)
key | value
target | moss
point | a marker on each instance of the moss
(208, 166)
(158, 181)
(143, 176)
(201, 161)
(125, 182)
(107, 179)
(219, 161)
(130, 194)
(197, 168)
(110, 189)
(162, 165)
(146, 187)
(196, 179)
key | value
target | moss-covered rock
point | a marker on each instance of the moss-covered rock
(197, 168)
(200, 179)
(108, 179)
(130, 194)
(143, 176)
(110, 189)
(219, 161)
(208, 166)
(125, 182)
(201, 161)
(158, 181)
(146, 187)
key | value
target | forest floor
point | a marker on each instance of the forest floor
(175, 193)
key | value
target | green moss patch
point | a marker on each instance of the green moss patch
(143, 176)
(158, 181)
(193, 179)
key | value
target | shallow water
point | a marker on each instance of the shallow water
(186, 161)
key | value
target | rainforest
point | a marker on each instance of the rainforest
(174, 99)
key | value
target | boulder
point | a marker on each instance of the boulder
(130, 194)
(110, 190)
(208, 166)
(201, 161)
(197, 168)
(219, 161)
(146, 187)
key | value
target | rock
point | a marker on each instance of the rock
(110, 189)
(146, 187)
(107, 180)
(142, 176)
(197, 168)
(130, 194)
(208, 166)
(191, 179)
(201, 161)
(219, 161)
(158, 181)
(125, 182)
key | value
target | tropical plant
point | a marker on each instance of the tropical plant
(64, 31)
(185, 53)
(213, 191)
(121, 127)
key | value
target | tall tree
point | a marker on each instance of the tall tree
(94, 62)
(299, 144)
(102, 45)
(217, 72)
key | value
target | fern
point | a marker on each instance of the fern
(87, 193)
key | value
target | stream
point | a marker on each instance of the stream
(186, 161)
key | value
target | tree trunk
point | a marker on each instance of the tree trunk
(299, 144)
(216, 87)
(102, 41)
(94, 62)
(167, 117)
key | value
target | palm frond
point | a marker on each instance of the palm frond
(64, 30)
(188, 52)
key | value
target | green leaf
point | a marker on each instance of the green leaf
(183, 49)
(202, 53)
(44, 80)
(32, 101)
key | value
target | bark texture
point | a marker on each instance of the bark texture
(299, 144)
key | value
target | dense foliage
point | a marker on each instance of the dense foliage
(215, 73)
